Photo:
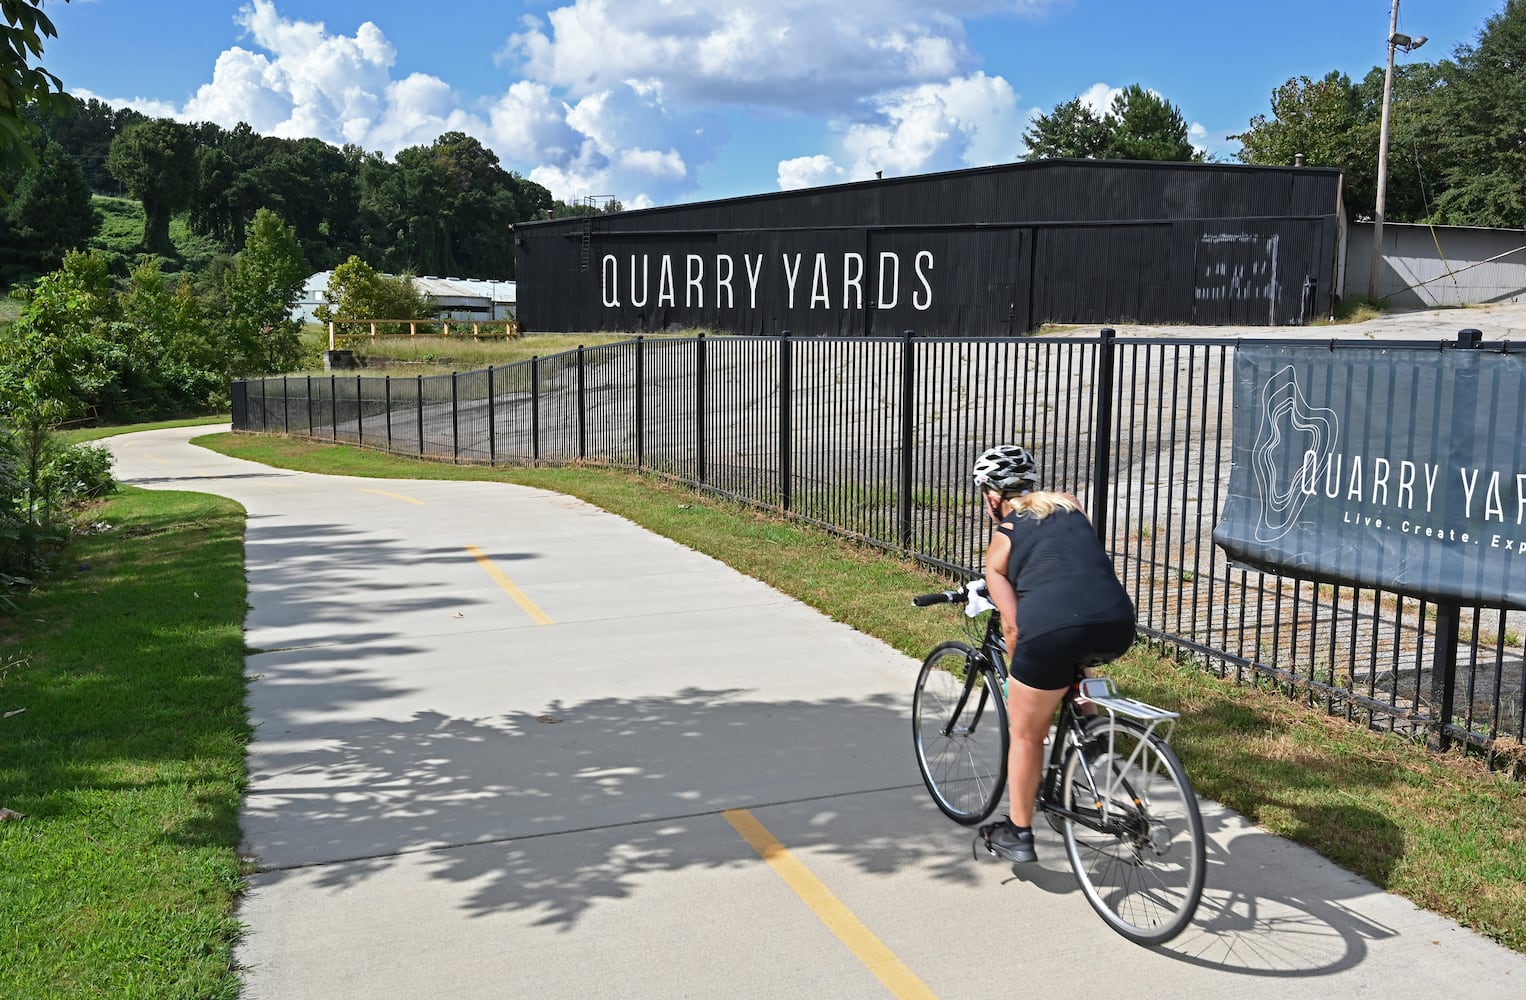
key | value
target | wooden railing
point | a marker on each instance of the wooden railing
(480, 329)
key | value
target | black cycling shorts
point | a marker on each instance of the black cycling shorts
(1048, 660)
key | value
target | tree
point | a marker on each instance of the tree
(1072, 130)
(357, 291)
(1138, 126)
(1314, 118)
(1146, 126)
(566, 210)
(171, 320)
(86, 131)
(260, 291)
(156, 160)
(446, 209)
(50, 215)
(23, 85)
(1484, 95)
(51, 355)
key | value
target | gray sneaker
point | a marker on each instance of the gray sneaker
(1012, 843)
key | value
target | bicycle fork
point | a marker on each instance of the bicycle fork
(953, 728)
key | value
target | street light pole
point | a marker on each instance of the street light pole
(1408, 44)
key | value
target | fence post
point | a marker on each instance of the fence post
(309, 406)
(421, 415)
(1102, 434)
(360, 417)
(387, 391)
(908, 428)
(786, 418)
(492, 423)
(535, 409)
(1444, 673)
(640, 401)
(455, 421)
(334, 407)
(582, 409)
(1448, 613)
(699, 408)
(285, 407)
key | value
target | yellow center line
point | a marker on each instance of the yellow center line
(867, 948)
(394, 496)
(514, 592)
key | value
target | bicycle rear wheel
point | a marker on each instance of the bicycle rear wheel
(959, 722)
(1143, 873)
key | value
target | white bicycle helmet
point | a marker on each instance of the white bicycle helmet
(1007, 468)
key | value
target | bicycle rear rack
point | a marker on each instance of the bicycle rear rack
(1101, 692)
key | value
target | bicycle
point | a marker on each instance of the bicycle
(1111, 786)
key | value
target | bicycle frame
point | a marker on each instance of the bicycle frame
(1070, 728)
(991, 655)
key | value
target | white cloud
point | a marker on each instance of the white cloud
(626, 142)
(809, 171)
(1099, 97)
(245, 87)
(963, 122)
(795, 54)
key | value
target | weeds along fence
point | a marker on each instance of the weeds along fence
(873, 438)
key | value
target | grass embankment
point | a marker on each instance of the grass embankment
(127, 757)
(83, 435)
(398, 354)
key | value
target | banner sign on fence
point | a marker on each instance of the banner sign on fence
(1398, 469)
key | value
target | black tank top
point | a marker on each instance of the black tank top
(1062, 574)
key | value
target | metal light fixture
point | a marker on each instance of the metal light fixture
(1396, 40)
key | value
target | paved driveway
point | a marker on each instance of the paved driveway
(509, 745)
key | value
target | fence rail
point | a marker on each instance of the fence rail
(873, 438)
(418, 328)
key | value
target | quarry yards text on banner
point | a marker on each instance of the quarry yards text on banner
(1397, 468)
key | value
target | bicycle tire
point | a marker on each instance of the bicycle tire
(963, 760)
(1145, 876)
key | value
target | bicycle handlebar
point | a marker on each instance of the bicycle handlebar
(942, 597)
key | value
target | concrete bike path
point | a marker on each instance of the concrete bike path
(510, 745)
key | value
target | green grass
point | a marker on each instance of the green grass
(121, 225)
(80, 435)
(121, 235)
(400, 354)
(127, 759)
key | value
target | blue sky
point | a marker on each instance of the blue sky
(664, 101)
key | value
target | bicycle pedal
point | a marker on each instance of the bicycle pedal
(983, 837)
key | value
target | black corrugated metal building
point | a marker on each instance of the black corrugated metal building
(993, 250)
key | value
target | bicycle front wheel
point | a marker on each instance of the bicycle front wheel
(1143, 870)
(959, 722)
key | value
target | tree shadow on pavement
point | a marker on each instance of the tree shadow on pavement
(551, 813)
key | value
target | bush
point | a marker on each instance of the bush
(78, 473)
(37, 509)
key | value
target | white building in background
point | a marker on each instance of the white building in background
(457, 298)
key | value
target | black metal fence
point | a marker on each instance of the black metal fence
(873, 437)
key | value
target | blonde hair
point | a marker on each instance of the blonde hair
(1039, 504)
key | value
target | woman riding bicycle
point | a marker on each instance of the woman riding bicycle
(1060, 604)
